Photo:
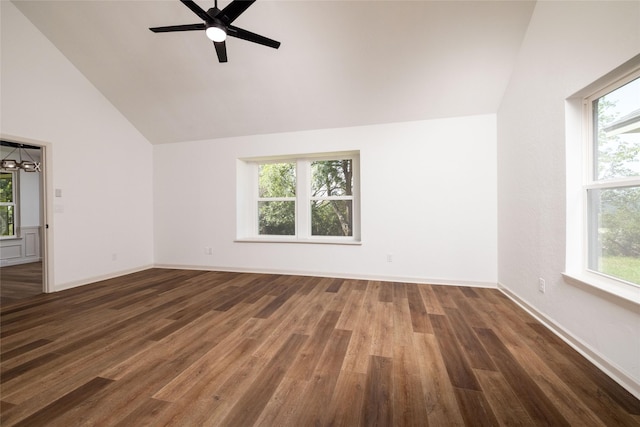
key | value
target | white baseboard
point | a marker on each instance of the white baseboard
(615, 373)
(69, 285)
(18, 261)
(399, 279)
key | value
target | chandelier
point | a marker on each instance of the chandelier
(26, 165)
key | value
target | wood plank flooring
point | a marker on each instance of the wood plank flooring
(20, 281)
(194, 348)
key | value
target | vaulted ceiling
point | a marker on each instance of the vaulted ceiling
(341, 63)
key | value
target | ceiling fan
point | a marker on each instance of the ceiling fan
(217, 25)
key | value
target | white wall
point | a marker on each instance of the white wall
(568, 45)
(101, 163)
(29, 199)
(428, 197)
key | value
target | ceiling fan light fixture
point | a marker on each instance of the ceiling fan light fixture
(216, 32)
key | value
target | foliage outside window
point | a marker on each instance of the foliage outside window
(7, 204)
(332, 198)
(307, 199)
(613, 187)
(277, 199)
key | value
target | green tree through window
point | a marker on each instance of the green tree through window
(308, 198)
(276, 199)
(332, 198)
(615, 205)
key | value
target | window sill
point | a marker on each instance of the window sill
(10, 238)
(272, 239)
(621, 290)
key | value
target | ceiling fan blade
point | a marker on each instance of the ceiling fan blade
(233, 10)
(188, 27)
(197, 10)
(221, 51)
(251, 37)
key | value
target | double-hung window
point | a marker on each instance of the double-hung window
(331, 197)
(276, 203)
(612, 186)
(309, 198)
(7, 204)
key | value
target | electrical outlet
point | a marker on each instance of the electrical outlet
(114, 256)
(208, 250)
(541, 285)
(389, 257)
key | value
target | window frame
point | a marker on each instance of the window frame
(591, 182)
(257, 199)
(247, 206)
(15, 177)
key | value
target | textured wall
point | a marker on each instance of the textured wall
(568, 46)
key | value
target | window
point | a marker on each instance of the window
(311, 198)
(332, 197)
(612, 187)
(277, 199)
(7, 204)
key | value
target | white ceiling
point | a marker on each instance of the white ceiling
(341, 63)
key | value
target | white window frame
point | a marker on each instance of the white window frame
(581, 179)
(16, 218)
(247, 206)
(257, 199)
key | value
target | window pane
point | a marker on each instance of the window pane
(617, 132)
(277, 180)
(614, 229)
(6, 187)
(332, 218)
(7, 227)
(277, 218)
(332, 178)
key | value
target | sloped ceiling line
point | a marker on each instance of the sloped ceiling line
(341, 63)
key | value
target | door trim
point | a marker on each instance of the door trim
(46, 206)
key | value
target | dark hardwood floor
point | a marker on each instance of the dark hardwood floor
(20, 281)
(193, 348)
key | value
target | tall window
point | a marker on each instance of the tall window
(312, 198)
(277, 199)
(613, 183)
(7, 204)
(332, 197)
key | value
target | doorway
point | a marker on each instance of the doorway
(22, 221)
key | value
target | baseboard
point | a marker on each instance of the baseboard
(18, 261)
(69, 285)
(400, 279)
(618, 375)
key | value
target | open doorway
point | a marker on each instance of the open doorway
(22, 224)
